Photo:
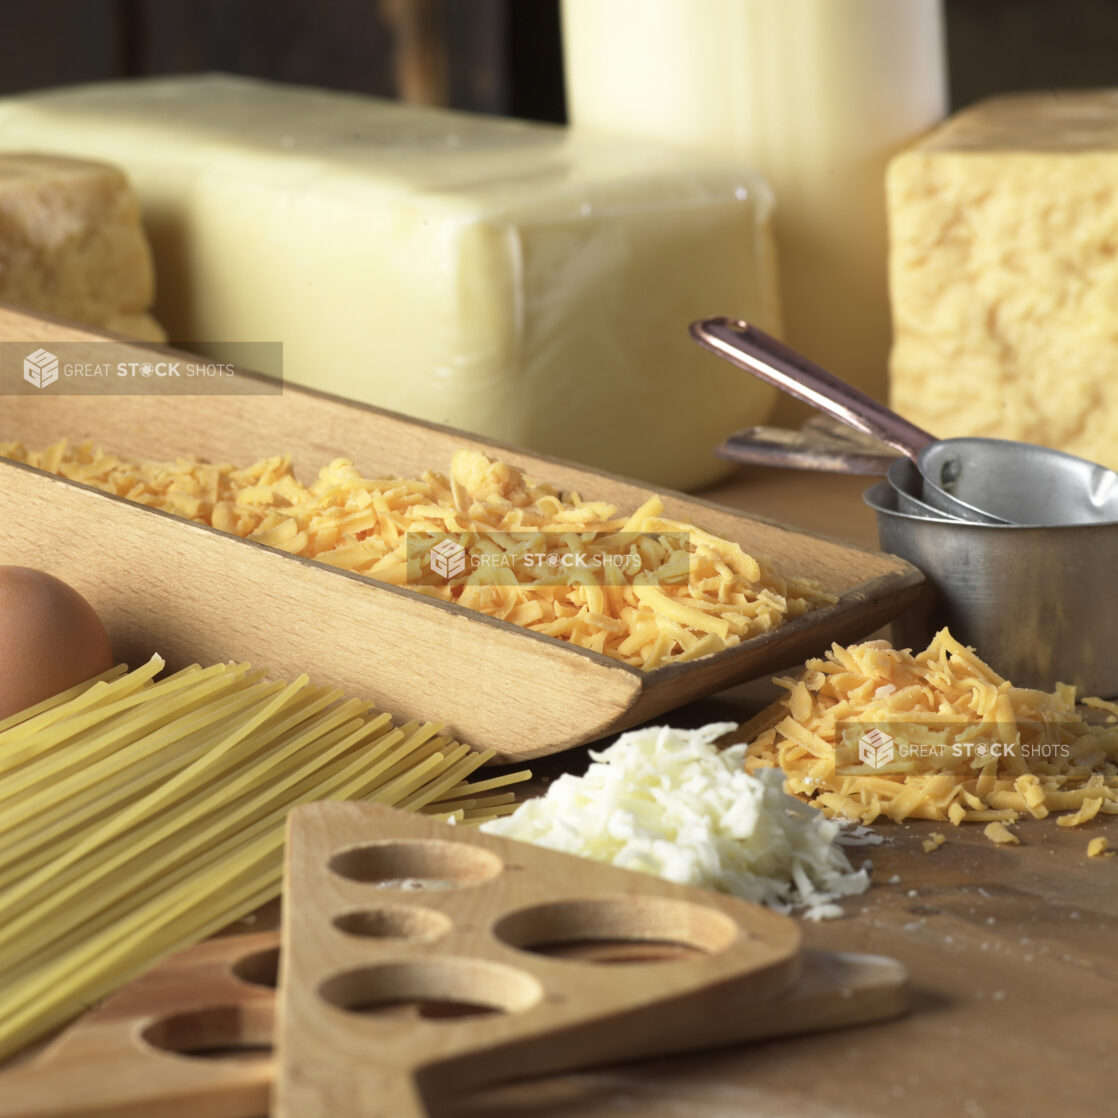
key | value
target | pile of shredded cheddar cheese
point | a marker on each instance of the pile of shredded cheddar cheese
(671, 601)
(947, 696)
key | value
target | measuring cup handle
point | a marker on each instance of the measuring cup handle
(761, 354)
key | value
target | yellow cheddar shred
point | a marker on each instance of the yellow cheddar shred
(999, 833)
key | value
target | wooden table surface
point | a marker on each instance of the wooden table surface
(1013, 954)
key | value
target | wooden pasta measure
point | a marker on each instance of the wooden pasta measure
(631, 957)
(192, 1036)
(423, 960)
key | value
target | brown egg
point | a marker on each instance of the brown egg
(50, 638)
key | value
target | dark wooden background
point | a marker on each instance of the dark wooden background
(499, 56)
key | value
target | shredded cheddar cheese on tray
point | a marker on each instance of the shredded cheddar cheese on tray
(922, 751)
(680, 593)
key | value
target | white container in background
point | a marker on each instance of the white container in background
(815, 94)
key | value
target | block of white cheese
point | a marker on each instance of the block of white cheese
(72, 245)
(1004, 273)
(517, 280)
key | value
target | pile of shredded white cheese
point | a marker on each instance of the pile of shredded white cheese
(668, 802)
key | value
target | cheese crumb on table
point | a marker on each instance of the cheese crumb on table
(1100, 848)
(680, 594)
(946, 698)
(668, 802)
(999, 833)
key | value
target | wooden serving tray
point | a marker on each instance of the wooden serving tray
(192, 593)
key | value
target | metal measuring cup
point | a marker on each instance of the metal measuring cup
(1022, 483)
(986, 481)
(1037, 602)
(908, 487)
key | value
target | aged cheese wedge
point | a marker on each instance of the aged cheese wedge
(521, 281)
(71, 243)
(1004, 273)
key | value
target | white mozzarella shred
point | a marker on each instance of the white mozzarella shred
(668, 802)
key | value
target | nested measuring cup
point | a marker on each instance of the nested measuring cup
(981, 480)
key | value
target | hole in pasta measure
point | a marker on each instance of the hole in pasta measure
(261, 968)
(613, 930)
(396, 922)
(416, 865)
(220, 1032)
(435, 988)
